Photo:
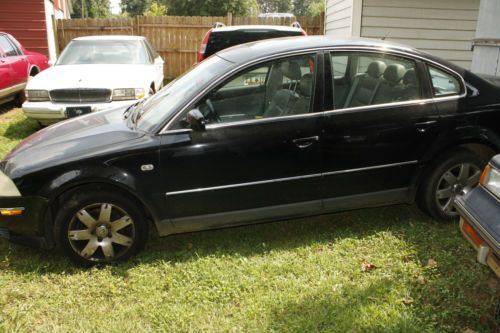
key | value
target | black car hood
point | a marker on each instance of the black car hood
(71, 140)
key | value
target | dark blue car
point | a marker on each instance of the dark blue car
(480, 216)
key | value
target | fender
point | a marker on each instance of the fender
(98, 174)
(30, 69)
(460, 136)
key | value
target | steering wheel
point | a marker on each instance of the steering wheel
(212, 115)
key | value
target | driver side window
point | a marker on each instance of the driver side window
(276, 88)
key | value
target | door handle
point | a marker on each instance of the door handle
(305, 142)
(424, 126)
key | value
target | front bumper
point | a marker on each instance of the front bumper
(28, 228)
(480, 225)
(48, 113)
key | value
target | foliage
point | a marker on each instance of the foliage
(388, 269)
(316, 8)
(210, 7)
(275, 6)
(156, 9)
(308, 7)
(91, 8)
(135, 7)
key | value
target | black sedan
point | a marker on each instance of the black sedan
(262, 131)
(480, 216)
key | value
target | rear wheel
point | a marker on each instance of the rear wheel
(456, 173)
(99, 227)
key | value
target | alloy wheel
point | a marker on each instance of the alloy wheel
(457, 180)
(101, 232)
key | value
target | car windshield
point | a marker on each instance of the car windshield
(80, 52)
(161, 105)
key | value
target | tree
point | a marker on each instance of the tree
(135, 7)
(308, 7)
(91, 8)
(275, 6)
(156, 9)
(210, 7)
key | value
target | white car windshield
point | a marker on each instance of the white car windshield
(180, 91)
(80, 52)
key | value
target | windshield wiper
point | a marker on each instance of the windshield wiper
(129, 109)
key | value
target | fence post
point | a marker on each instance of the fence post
(229, 19)
(135, 26)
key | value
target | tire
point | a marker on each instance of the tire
(455, 173)
(99, 226)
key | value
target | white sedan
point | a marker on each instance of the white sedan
(92, 74)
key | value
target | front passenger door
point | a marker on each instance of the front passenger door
(255, 159)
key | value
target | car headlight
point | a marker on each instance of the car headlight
(123, 94)
(37, 95)
(491, 180)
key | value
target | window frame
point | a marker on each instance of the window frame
(462, 90)
(14, 47)
(421, 68)
(353, 70)
(315, 109)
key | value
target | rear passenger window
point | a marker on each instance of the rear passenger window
(443, 84)
(362, 79)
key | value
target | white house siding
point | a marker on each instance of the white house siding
(338, 18)
(444, 28)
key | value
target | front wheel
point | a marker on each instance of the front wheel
(100, 227)
(456, 173)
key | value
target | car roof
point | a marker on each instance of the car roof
(110, 37)
(257, 27)
(269, 47)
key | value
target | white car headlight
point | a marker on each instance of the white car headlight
(123, 94)
(37, 95)
(491, 180)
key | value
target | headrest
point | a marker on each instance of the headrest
(410, 77)
(305, 85)
(394, 73)
(291, 70)
(376, 69)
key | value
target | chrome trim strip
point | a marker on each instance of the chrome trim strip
(370, 168)
(277, 180)
(260, 182)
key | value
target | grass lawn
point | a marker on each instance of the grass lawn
(388, 269)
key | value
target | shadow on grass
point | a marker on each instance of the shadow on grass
(6, 107)
(20, 129)
(451, 294)
(356, 309)
(248, 240)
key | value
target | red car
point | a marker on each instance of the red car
(17, 65)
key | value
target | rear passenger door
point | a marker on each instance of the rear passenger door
(379, 123)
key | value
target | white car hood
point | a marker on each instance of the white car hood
(93, 76)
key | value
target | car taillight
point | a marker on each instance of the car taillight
(203, 46)
(490, 179)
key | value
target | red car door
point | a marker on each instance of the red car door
(5, 74)
(18, 61)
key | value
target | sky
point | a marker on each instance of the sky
(115, 6)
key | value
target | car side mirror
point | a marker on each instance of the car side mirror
(194, 120)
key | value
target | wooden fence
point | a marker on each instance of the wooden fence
(176, 38)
